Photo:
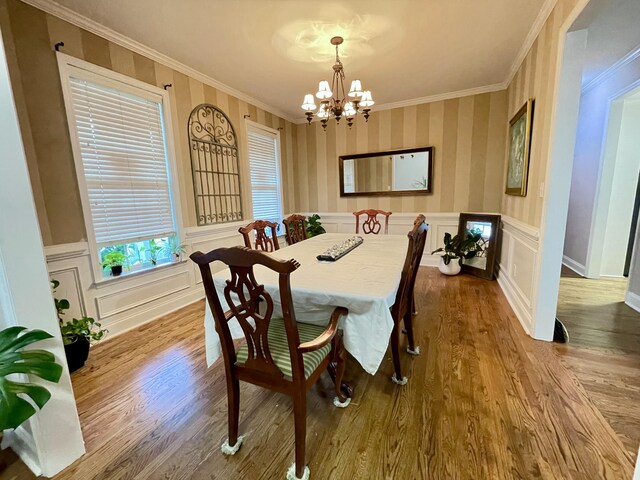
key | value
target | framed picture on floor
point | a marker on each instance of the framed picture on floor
(487, 228)
(519, 150)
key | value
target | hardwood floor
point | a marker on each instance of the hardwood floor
(484, 401)
(604, 349)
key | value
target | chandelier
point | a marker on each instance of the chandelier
(333, 100)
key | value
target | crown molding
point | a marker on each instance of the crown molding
(495, 87)
(66, 14)
(602, 77)
(535, 30)
(53, 8)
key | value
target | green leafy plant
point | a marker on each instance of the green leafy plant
(113, 259)
(154, 249)
(14, 410)
(459, 247)
(314, 226)
(62, 304)
(175, 248)
(85, 327)
(422, 183)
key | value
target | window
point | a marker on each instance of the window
(264, 168)
(122, 165)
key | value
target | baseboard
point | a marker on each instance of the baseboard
(575, 266)
(511, 294)
(633, 300)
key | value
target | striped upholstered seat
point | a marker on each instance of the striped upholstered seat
(280, 350)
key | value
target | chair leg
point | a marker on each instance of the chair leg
(233, 443)
(300, 419)
(336, 370)
(395, 353)
(408, 324)
(413, 305)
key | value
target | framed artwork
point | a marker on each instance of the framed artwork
(519, 150)
(488, 227)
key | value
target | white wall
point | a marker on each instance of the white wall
(51, 439)
(623, 191)
(592, 175)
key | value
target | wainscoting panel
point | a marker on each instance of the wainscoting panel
(127, 298)
(70, 288)
(125, 303)
(129, 301)
(517, 267)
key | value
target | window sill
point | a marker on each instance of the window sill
(106, 281)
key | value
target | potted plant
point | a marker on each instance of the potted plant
(314, 227)
(175, 248)
(77, 334)
(457, 248)
(154, 249)
(14, 409)
(114, 260)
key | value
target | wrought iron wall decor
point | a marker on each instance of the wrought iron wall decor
(215, 166)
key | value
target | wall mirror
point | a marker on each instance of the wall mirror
(397, 172)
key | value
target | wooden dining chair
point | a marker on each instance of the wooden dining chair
(371, 223)
(295, 228)
(279, 354)
(263, 241)
(402, 309)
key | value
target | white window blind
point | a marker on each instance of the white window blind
(122, 146)
(265, 178)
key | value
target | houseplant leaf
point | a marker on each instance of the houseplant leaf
(14, 410)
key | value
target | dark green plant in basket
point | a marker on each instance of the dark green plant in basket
(459, 247)
(314, 226)
(14, 410)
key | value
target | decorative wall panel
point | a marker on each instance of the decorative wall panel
(215, 166)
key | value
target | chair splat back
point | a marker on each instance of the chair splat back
(417, 240)
(371, 223)
(263, 241)
(295, 229)
(252, 306)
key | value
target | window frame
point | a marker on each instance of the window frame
(71, 66)
(263, 129)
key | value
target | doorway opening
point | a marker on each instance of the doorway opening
(590, 253)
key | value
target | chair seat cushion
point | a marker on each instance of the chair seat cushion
(279, 347)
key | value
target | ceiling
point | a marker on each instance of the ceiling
(277, 50)
(612, 33)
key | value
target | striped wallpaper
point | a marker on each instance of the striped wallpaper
(535, 79)
(29, 35)
(468, 133)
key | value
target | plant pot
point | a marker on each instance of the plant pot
(77, 353)
(116, 270)
(452, 269)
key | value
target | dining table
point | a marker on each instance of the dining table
(365, 281)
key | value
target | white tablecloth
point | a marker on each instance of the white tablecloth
(365, 281)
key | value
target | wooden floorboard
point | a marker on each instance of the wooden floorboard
(604, 349)
(484, 401)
